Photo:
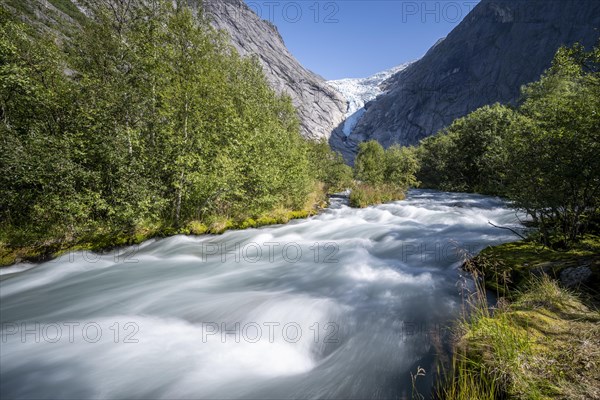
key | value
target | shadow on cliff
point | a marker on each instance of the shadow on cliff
(343, 144)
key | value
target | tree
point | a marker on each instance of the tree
(543, 156)
(329, 166)
(480, 156)
(369, 165)
(554, 163)
(39, 176)
(147, 116)
(401, 164)
(471, 154)
(435, 168)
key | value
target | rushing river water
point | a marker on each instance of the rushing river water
(342, 305)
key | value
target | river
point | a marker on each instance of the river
(341, 305)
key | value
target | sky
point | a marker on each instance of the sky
(357, 38)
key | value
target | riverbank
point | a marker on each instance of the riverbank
(542, 340)
(107, 239)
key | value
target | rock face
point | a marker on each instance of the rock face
(498, 47)
(320, 107)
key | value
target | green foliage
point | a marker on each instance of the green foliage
(329, 167)
(147, 116)
(435, 167)
(471, 154)
(401, 165)
(395, 166)
(369, 166)
(35, 100)
(543, 156)
(554, 163)
(364, 195)
(384, 175)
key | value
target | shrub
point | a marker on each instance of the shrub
(364, 195)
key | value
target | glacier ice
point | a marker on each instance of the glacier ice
(359, 91)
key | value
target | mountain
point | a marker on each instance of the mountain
(360, 91)
(320, 107)
(498, 47)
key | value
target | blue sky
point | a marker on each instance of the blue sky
(357, 38)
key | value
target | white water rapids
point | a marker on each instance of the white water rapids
(342, 305)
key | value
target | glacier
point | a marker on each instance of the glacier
(359, 91)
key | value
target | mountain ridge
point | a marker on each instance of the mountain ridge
(498, 47)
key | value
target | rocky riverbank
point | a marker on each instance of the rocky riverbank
(542, 339)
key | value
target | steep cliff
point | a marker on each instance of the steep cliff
(498, 47)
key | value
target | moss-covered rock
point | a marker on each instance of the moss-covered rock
(509, 265)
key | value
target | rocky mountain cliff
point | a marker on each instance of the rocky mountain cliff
(320, 107)
(498, 47)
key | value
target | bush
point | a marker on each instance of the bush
(384, 175)
(369, 166)
(554, 164)
(471, 155)
(364, 195)
(401, 165)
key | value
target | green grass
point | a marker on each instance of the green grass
(544, 345)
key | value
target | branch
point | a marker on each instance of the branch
(507, 228)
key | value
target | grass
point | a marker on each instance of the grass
(364, 195)
(544, 345)
(102, 238)
(541, 341)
